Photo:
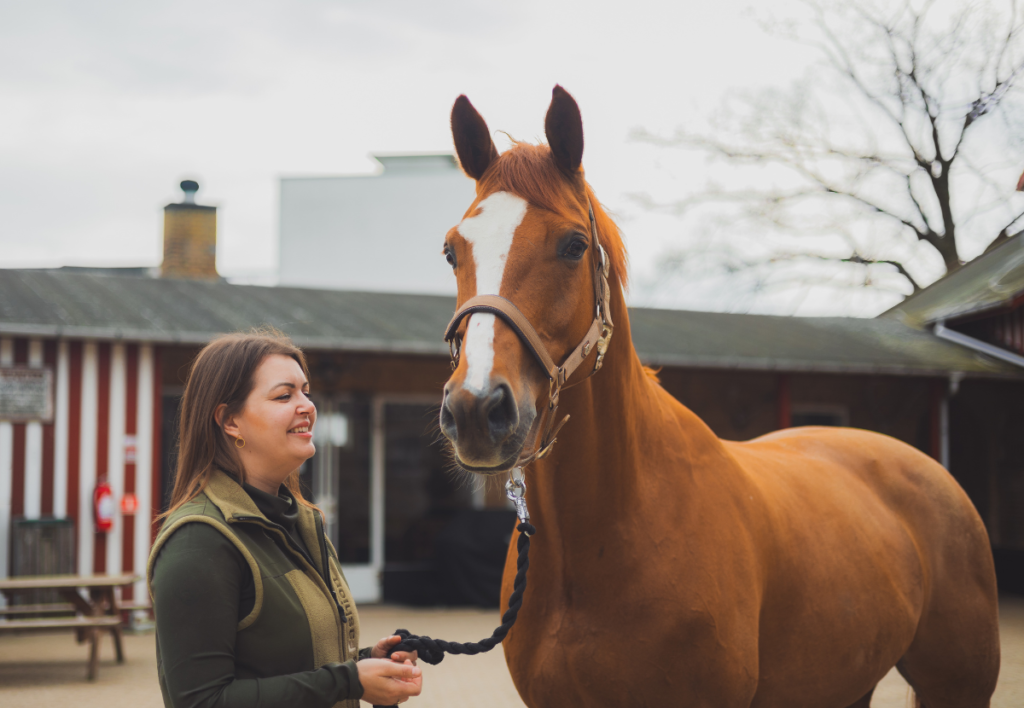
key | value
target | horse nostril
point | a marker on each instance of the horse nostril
(502, 414)
(448, 426)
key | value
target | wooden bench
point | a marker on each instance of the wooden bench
(134, 606)
(52, 608)
(95, 610)
(87, 628)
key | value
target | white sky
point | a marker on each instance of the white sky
(106, 106)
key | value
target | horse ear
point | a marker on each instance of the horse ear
(564, 128)
(472, 138)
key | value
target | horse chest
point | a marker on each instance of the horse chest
(587, 648)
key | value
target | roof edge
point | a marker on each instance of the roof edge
(792, 365)
(200, 338)
(441, 350)
(978, 345)
(894, 311)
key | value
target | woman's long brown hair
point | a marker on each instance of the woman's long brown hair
(223, 372)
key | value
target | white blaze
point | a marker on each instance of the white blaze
(491, 232)
(479, 351)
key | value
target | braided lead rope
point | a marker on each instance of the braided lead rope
(432, 650)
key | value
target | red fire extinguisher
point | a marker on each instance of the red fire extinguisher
(103, 506)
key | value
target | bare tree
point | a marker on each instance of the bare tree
(901, 141)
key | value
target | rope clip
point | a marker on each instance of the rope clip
(515, 490)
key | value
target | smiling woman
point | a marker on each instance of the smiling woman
(250, 600)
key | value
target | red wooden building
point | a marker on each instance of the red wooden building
(981, 307)
(96, 363)
(93, 361)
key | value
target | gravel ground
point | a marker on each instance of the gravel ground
(49, 669)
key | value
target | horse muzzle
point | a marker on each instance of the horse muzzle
(487, 428)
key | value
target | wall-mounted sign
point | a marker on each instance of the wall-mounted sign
(129, 504)
(26, 394)
(130, 449)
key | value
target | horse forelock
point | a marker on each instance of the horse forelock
(528, 171)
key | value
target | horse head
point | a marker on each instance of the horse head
(529, 238)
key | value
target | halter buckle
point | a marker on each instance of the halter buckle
(454, 349)
(555, 388)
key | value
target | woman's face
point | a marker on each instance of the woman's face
(277, 420)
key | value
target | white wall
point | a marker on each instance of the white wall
(6, 470)
(88, 431)
(379, 232)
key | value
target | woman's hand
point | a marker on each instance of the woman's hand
(383, 648)
(387, 682)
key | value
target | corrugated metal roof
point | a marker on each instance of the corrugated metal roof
(989, 281)
(51, 303)
(192, 311)
(824, 344)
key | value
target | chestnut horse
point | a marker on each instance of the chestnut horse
(672, 568)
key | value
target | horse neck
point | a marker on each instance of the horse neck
(594, 472)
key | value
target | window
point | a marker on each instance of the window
(339, 474)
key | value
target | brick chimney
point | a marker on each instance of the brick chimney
(190, 238)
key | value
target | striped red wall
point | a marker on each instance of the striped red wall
(131, 405)
(50, 361)
(74, 426)
(156, 491)
(46, 463)
(99, 553)
(18, 456)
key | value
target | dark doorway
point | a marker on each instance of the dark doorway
(421, 498)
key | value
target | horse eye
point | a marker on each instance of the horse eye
(450, 257)
(576, 250)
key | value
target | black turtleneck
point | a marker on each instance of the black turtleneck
(282, 510)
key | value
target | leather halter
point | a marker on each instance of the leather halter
(598, 336)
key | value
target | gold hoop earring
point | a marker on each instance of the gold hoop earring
(239, 440)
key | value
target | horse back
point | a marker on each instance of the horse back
(864, 535)
(815, 481)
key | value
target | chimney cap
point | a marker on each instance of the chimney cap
(189, 187)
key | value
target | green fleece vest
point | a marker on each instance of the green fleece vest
(295, 624)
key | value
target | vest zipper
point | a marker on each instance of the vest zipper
(325, 563)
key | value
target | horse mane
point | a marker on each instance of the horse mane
(528, 171)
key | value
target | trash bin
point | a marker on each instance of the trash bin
(42, 547)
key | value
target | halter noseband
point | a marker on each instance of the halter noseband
(598, 336)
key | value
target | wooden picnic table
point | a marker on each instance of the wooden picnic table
(94, 613)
